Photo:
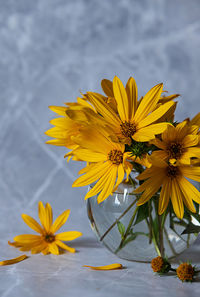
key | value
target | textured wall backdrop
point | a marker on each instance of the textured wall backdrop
(49, 51)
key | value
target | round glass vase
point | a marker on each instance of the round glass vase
(138, 234)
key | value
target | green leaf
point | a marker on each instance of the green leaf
(196, 206)
(121, 228)
(143, 213)
(132, 237)
(191, 228)
(188, 214)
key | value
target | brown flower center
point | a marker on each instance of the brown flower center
(157, 264)
(172, 171)
(116, 157)
(185, 272)
(127, 129)
(175, 150)
(49, 237)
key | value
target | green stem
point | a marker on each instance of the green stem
(150, 222)
(164, 216)
(117, 220)
(150, 231)
(128, 229)
(160, 229)
(188, 240)
(169, 243)
(161, 236)
(156, 245)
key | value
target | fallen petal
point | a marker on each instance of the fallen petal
(14, 260)
(106, 267)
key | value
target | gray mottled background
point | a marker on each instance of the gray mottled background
(52, 49)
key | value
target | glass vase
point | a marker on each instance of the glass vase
(138, 234)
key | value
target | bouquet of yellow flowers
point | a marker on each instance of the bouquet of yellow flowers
(124, 140)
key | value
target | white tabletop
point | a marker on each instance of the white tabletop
(64, 275)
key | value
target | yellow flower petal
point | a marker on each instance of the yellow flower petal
(109, 185)
(25, 248)
(13, 261)
(94, 174)
(39, 248)
(27, 238)
(61, 110)
(79, 115)
(149, 132)
(42, 214)
(121, 98)
(132, 94)
(90, 139)
(65, 247)
(61, 219)
(191, 172)
(196, 120)
(157, 142)
(177, 199)
(146, 174)
(160, 154)
(120, 176)
(58, 142)
(189, 190)
(103, 108)
(164, 196)
(68, 236)
(89, 155)
(45, 251)
(49, 216)
(53, 249)
(98, 186)
(150, 187)
(106, 267)
(190, 140)
(57, 132)
(107, 87)
(148, 102)
(32, 223)
(15, 244)
(168, 98)
(62, 122)
(155, 115)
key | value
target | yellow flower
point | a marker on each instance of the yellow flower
(107, 87)
(74, 116)
(178, 143)
(174, 186)
(185, 272)
(108, 162)
(47, 242)
(133, 120)
(63, 130)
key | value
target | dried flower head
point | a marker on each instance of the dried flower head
(185, 272)
(160, 265)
